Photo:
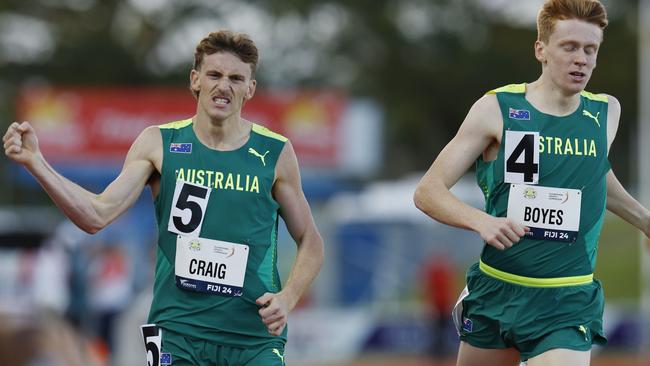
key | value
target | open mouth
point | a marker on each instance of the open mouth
(578, 75)
(221, 101)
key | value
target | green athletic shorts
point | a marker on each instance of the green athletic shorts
(498, 314)
(186, 351)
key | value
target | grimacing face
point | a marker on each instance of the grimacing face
(224, 83)
(569, 57)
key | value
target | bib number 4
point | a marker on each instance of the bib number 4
(522, 157)
(188, 208)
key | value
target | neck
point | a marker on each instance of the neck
(550, 99)
(228, 134)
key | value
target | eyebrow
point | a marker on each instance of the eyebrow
(234, 73)
(575, 42)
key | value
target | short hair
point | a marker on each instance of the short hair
(591, 11)
(223, 40)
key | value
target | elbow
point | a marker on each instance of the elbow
(91, 226)
(419, 198)
(90, 229)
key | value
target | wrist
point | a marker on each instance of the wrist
(477, 222)
(36, 163)
(290, 297)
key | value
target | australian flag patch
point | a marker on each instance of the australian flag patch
(521, 114)
(183, 148)
(467, 325)
(165, 358)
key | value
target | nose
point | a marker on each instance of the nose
(580, 58)
(223, 84)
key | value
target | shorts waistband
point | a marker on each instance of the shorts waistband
(535, 282)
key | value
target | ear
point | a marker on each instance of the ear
(250, 91)
(540, 51)
(195, 84)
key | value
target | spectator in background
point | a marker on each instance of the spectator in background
(108, 288)
(439, 294)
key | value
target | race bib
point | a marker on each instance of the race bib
(550, 213)
(210, 266)
(521, 164)
(152, 336)
(188, 208)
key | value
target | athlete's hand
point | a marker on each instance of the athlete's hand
(20, 143)
(274, 312)
(501, 232)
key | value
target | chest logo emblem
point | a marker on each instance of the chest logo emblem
(183, 148)
(519, 114)
(277, 353)
(254, 152)
(588, 114)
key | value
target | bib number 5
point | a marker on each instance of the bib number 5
(152, 336)
(521, 157)
(188, 208)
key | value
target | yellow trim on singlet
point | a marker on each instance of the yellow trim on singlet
(268, 133)
(512, 88)
(177, 124)
(256, 128)
(596, 97)
(535, 282)
(521, 88)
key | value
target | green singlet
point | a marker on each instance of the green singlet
(240, 210)
(572, 154)
(540, 293)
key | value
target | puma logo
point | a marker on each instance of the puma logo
(277, 353)
(588, 114)
(254, 152)
(584, 331)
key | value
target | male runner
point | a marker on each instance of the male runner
(219, 183)
(541, 160)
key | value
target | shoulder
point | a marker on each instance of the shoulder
(604, 98)
(510, 88)
(485, 114)
(287, 168)
(489, 103)
(265, 132)
(613, 103)
(150, 136)
(147, 146)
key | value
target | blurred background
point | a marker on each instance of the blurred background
(369, 92)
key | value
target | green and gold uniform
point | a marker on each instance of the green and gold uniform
(199, 327)
(540, 294)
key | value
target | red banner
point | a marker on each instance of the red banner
(94, 124)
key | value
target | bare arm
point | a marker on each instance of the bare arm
(91, 212)
(619, 201)
(295, 211)
(480, 131)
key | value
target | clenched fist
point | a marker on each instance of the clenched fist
(20, 143)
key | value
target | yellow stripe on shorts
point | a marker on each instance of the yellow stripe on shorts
(535, 282)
